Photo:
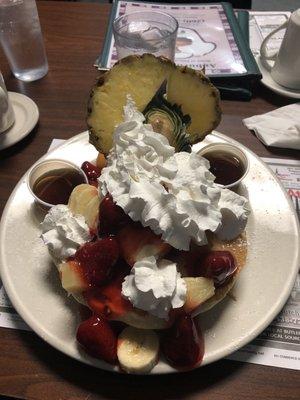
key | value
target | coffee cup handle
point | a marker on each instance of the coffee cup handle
(264, 57)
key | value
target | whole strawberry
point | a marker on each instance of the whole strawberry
(98, 339)
(98, 259)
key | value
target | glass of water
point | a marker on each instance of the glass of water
(145, 32)
(22, 40)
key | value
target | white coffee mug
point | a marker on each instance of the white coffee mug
(7, 116)
(286, 68)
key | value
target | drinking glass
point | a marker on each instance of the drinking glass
(145, 32)
(21, 39)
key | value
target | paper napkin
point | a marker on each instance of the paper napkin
(278, 128)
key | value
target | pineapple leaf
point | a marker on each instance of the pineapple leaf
(168, 119)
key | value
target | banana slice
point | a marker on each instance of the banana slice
(198, 290)
(85, 200)
(137, 350)
(91, 212)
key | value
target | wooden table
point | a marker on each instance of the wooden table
(31, 369)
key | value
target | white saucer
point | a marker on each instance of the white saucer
(268, 81)
(26, 117)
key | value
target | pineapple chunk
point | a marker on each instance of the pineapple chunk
(198, 290)
(72, 278)
(141, 77)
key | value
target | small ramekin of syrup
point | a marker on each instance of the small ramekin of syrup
(228, 163)
(52, 181)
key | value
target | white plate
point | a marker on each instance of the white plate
(33, 285)
(268, 81)
(26, 117)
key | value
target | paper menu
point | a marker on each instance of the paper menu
(8, 316)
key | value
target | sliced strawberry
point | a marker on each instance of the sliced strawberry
(137, 242)
(108, 300)
(111, 217)
(98, 339)
(98, 259)
(182, 345)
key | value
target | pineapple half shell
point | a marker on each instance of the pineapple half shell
(141, 77)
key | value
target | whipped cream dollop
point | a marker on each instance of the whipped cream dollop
(155, 286)
(172, 193)
(64, 232)
(234, 210)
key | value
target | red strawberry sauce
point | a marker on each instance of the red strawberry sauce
(108, 300)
